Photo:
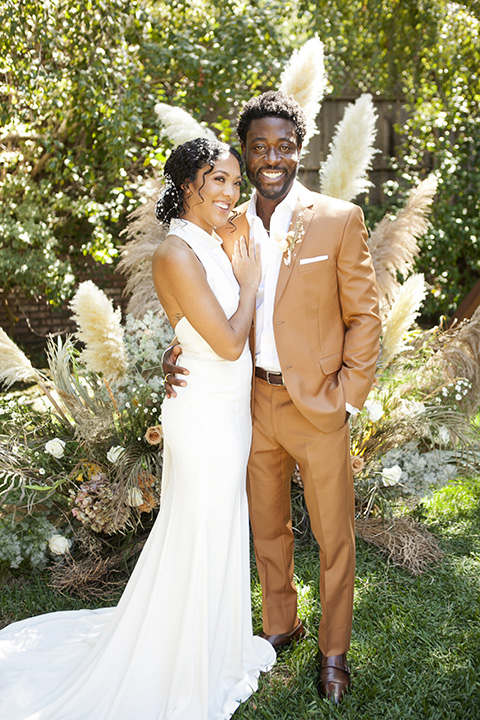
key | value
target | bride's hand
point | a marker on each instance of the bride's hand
(246, 263)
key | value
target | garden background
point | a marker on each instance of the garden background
(82, 144)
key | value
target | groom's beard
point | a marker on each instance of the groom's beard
(272, 191)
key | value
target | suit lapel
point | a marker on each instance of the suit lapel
(286, 270)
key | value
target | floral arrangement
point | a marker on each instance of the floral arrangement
(289, 241)
(87, 453)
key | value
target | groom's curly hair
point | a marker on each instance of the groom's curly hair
(272, 104)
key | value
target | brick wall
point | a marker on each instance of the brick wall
(34, 319)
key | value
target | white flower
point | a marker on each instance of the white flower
(135, 497)
(55, 447)
(59, 544)
(374, 410)
(114, 453)
(443, 435)
(281, 241)
(392, 475)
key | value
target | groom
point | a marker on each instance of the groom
(315, 344)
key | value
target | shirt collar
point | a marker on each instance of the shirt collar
(186, 229)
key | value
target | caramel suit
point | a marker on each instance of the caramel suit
(327, 330)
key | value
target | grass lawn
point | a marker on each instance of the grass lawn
(416, 640)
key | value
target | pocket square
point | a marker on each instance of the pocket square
(317, 258)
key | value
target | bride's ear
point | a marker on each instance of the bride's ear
(187, 191)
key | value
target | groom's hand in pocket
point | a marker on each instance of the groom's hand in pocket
(171, 370)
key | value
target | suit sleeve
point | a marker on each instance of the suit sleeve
(359, 306)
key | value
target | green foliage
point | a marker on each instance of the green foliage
(444, 130)
(427, 52)
(79, 80)
(25, 542)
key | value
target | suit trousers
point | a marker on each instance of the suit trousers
(282, 436)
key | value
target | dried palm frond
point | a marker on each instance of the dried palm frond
(179, 126)
(461, 357)
(407, 543)
(14, 364)
(344, 174)
(99, 327)
(405, 422)
(61, 356)
(393, 242)
(401, 318)
(144, 233)
(304, 78)
(92, 412)
(16, 367)
(138, 463)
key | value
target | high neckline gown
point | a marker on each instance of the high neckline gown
(179, 645)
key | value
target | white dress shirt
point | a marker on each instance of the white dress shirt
(271, 253)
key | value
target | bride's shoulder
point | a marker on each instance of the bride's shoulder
(174, 256)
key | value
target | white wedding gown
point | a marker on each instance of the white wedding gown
(179, 645)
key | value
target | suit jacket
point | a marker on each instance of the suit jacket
(326, 319)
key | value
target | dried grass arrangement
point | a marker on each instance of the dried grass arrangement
(407, 543)
(90, 573)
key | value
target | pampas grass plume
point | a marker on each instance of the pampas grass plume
(393, 243)
(144, 233)
(14, 364)
(344, 173)
(179, 126)
(99, 327)
(304, 78)
(401, 317)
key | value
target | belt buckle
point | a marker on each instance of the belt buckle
(274, 374)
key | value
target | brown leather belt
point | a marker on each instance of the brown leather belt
(272, 378)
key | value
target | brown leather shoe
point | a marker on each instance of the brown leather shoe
(334, 680)
(279, 641)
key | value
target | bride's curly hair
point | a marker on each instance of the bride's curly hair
(181, 169)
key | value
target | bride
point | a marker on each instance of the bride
(179, 645)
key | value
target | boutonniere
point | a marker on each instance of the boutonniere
(287, 242)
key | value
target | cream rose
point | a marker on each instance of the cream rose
(135, 497)
(55, 447)
(59, 545)
(374, 410)
(392, 475)
(154, 435)
(114, 453)
(358, 463)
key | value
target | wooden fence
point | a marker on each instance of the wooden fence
(390, 113)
